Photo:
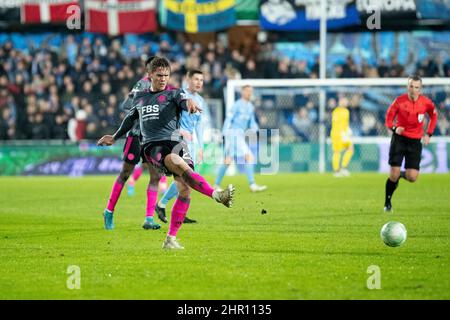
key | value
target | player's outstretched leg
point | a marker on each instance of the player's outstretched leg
(108, 214)
(176, 165)
(198, 183)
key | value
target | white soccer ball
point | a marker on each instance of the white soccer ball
(393, 233)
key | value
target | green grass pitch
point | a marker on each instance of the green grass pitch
(318, 239)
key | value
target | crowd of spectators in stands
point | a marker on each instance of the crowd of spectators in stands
(74, 91)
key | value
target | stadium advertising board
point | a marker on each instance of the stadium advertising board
(298, 15)
(88, 159)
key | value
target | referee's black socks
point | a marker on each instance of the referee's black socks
(390, 188)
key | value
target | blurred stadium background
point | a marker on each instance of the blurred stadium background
(66, 65)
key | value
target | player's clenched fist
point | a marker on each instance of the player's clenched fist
(106, 141)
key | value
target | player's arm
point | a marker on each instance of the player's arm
(432, 113)
(186, 103)
(348, 130)
(390, 116)
(345, 125)
(253, 124)
(125, 126)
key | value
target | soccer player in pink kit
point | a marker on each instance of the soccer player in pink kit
(163, 147)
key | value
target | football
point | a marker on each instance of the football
(393, 233)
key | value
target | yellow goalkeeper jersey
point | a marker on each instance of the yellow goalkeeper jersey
(340, 121)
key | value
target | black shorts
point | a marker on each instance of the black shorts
(132, 150)
(156, 151)
(403, 147)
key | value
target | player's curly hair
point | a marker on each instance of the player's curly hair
(159, 62)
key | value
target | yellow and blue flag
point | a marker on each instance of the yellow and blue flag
(194, 16)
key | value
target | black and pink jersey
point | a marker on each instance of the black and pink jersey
(158, 114)
(142, 85)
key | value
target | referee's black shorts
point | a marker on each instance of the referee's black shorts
(403, 147)
(156, 151)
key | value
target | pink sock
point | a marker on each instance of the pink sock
(115, 194)
(152, 197)
(180, 207)
(163, 179)
(198, 183)
(137, 173)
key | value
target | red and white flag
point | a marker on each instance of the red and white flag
(46, 11)
(116, 17)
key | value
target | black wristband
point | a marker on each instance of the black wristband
(429, 134)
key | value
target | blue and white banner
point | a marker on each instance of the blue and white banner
(295, 15)
(194, 16)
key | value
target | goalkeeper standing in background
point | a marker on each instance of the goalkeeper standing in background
(408, 111)
(341, 138)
